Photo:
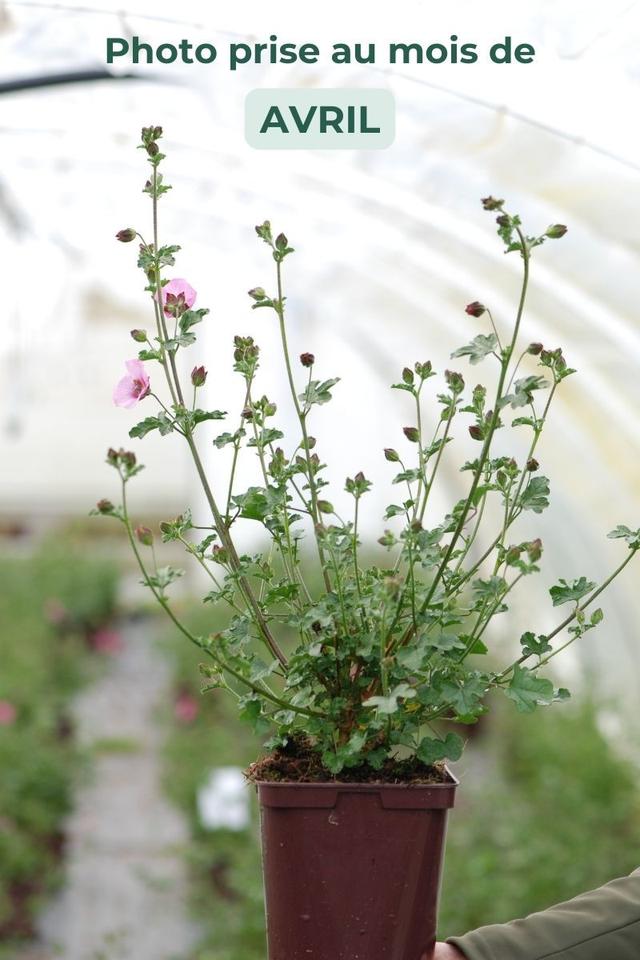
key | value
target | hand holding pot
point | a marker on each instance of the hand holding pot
(446, 951)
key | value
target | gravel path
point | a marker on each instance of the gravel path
(124, 897)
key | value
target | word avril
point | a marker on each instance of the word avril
(273, 52)
(352, 119)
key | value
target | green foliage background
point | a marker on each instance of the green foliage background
(41, 667)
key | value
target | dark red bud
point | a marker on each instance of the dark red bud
(490, 203)
(535, 349)
(532, 464)
(411, 433)
(104, 506)
(144, 536)
(475, 309)
(140, 336)
(476, 432)
(307, 359)
(198, 376)
(126, 235)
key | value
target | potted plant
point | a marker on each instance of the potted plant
(355, 677)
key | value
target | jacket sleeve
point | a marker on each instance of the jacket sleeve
(601, 925)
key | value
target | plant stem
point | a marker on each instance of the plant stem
(315, 513)
(492, 428)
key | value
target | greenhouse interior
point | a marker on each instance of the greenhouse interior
(127, 829)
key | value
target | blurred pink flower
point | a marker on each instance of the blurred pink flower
(8, 713)
(106, 641)
(132, 388)
(185, 708)
(177, 293)
(55, 611)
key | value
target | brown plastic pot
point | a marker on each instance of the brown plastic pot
(352, 871)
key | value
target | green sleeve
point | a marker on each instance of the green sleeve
(601, 925)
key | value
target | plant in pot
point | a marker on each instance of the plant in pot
(354, 674)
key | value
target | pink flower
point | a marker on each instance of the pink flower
(132, 388)
(8, 713)
(106, 641)
(177, 296)
(185, 708)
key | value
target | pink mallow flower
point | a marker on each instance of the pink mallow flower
(177, 294)
(132, 388)
(106, 641)
(8, 713)
(185, 708)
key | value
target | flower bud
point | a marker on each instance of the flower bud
(476, 432)
(407, 376)
(532, 465)
(126, 235)
(535, 349)
(264, 231)
(281, 242)
(504, 220)
(311, 442)
(198, 376)
(513, 554)
(391, 455)
(140, 336)
(257, 293)
(475, 309)
(104, 506)
(307, 359)
(324, 506)
(411, 433)
(144, 536)
(490, 203)
(534, 550)
(455, 381)
(152, 149)
(556, 231)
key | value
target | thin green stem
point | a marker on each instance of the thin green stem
(492, 428)
(315, 513)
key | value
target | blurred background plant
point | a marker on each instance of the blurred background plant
(56, 607)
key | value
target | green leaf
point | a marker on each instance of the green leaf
(622, 532)
(535, 495)
(534, 646)
(527, 690)
(480, 347)
(524, 390)
(563, 592)
(149, 424)
(225, 438)
(432, 749)
(388, 705)
(465, 697)
(254, 504)
(318, 392)
(199, 416)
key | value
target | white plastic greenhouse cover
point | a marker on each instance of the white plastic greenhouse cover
(390, 245)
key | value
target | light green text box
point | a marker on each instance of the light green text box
(320, 119)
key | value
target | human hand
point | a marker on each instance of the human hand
(446, 951)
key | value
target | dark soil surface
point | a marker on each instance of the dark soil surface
(299, 763)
